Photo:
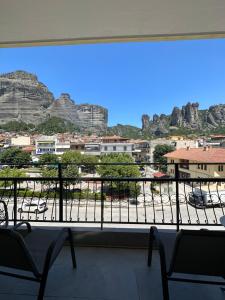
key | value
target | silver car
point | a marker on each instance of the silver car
(34, 206)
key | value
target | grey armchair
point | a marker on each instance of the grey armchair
(33, 251)
(192, 252)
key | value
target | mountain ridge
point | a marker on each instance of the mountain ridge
(23, 98)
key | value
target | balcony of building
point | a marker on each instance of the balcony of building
(106, 272)
(110, 227)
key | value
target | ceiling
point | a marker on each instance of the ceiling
(40, 22)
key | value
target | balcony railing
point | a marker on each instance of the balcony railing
(104, 200)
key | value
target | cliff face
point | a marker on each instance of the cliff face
(24, 98)
(189, 117)
(93, 118)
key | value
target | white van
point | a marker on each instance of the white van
(207, 196)
(36, 206)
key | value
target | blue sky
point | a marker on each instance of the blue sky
(128, 78)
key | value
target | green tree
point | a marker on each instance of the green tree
(89, 159)
(71, 170)
(10, 172)
(71, 157)
(124, 171)
(49, 172)
(15, 156)
(56, 125)
(158, 153)
(16, 126)
(48, 158)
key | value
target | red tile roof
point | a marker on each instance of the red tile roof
(28, 149)
(159, 174)
(207, 155)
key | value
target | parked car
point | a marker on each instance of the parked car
(207, 196)
(36, 206)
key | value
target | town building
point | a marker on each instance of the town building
(201, 158)
(106, 148)
(141, 151)
(21, 141)
(50, 144)
(175, 141)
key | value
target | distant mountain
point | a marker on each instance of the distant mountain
(127, 131)
(25, 99)
(27, 102)
(186, 119)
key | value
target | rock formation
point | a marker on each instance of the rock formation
(24, 98)
(145, 122)
(188, 117)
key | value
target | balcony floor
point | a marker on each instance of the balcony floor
(105, 274)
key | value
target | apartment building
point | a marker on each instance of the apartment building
(110, 147)
(141, 150)
(202, 158)
(21, 141)
(50, 144)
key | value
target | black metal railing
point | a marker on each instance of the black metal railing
(89, 198)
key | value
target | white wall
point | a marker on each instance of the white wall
(20, 141)
(119, 148)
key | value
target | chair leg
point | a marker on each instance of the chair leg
(150, 247)
(72, 248)
(42, 286)
(165, 287)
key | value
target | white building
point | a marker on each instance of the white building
(50, 144)
(106, 148)
(117, 148)
(20, 141)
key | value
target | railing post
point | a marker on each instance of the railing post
(177, 196)
(60, 192)
(15, 201)
(102, 206)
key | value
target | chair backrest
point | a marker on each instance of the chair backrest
(14, 253)
(199, 252)
(3, 214)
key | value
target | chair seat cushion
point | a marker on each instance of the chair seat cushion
(38, 242)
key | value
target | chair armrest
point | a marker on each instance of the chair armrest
(154, 234)
(6, 219)
(23, 223)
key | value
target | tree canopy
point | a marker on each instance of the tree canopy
(56, 125)
(10, 172)
(48, 158)
(158, 153)
(118, 170)
(120, 188)
(75, 157)
(15, 156)
(71, 156)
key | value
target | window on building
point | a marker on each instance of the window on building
(205, 167)
(114, 148)
(105, 148)
(220, 168)
(199, 166)
(124, 148)
(172, 161)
